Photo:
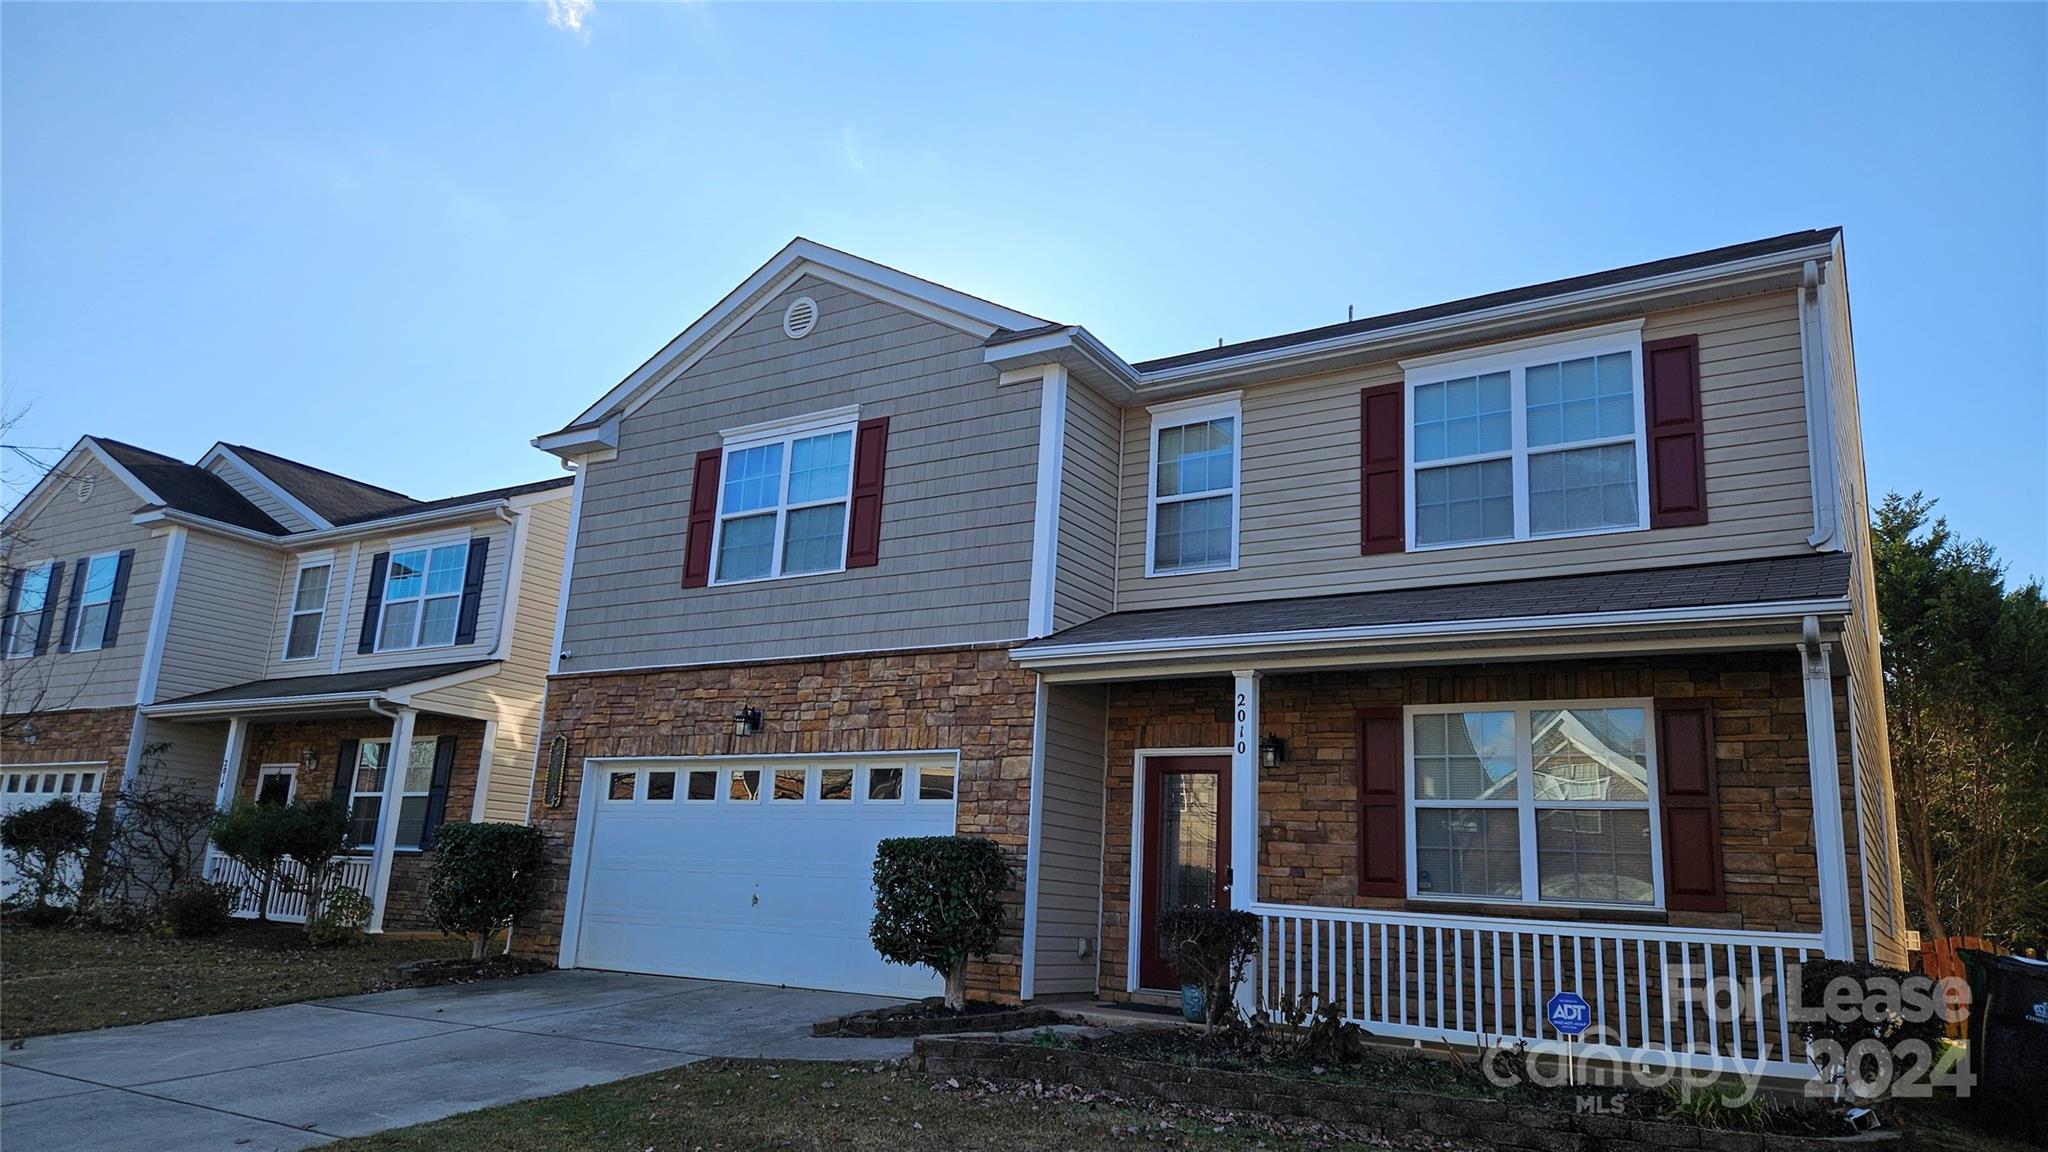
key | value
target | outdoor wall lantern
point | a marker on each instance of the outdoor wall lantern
(746, 721)
(1272, 750)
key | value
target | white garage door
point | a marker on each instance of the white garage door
(753, 871)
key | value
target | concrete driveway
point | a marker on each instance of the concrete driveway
(304, 1074)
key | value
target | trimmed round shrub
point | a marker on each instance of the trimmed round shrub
(44, 842)
(201, 909)
(484, 878)
(939, 903)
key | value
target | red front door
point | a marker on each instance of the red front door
(1187, 849)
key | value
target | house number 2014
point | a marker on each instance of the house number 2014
(1243, 714)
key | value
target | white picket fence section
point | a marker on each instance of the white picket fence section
(32, 786)
(288, 898)
(1685, 998)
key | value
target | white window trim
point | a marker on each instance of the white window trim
(49, 568)
(292, 612)
(402, 796)
(1525, 803)
(291, 772)
(416, 544)
(785, 432)
(99, 642)
(1515, 358)
(1176, 414)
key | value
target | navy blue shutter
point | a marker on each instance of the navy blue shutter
(366, 643)
(437, 793)
(8, 623)
(472, 591)
(344, 779)
(70, 635)
(121, 570)
(49, 613)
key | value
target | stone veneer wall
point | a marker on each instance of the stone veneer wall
(1308, 816)
(78, 734)
(971, 699)
(283, 742)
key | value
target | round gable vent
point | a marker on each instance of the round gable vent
(800, 318)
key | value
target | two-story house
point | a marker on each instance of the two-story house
(1492, 648)
(252, 628)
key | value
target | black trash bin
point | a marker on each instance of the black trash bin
(2009, 1040)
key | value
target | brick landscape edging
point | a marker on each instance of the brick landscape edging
(1499, 1123)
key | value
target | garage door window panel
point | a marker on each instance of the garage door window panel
(744, 786)
(935, 783)
(885, 784)
(661, 787)
(791, 784)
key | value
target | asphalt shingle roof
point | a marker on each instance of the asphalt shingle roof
(290, 687)
(334, 496)
(189, 488)
(1819, 576)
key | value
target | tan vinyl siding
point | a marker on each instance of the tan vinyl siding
(1299, 518)
(512, 697)
(260, 496)
(1084, 580)
(190, 755)
(1070, 841)
(956, 515)
(219, 634)
(346, 596)
(62, 527)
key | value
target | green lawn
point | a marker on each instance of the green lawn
(70, 980)
(719, 1106)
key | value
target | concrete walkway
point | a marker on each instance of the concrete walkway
(303, 1074)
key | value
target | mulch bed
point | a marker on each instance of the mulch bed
(931, 1017)
(463, 970)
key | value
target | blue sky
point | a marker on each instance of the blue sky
(400, 240)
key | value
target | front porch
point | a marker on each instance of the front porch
(1436, 847)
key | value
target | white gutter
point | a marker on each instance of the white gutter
(501, 508)
(400, 696)
(1820, 411)
(1041, 655)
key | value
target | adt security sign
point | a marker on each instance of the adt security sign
(1568, 1012)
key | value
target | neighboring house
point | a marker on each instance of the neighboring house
(1519, 642)
(252, 628)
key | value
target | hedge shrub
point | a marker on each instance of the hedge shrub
(43, 842)
(485, 877)
(1210, 947)
(939, 902)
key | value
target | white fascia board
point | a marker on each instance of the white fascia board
(571, 442)
(54, 480)
(798, 256)
(220, 452)
(1038, 655)
(264, 704)
(118, 469)
(1074, 339)
(501, 509)
(1734, 271)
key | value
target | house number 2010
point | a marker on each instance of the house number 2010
(1243, 714)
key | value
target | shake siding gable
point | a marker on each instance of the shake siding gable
(955, 545)
(1301, 478)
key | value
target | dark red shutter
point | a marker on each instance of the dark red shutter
(122, 567)
(366, 638)
(864, 537)
(1382, 812)
(473, 590)
(1382, 508)
(1692, 807)
(1678, 451)
(703, 518)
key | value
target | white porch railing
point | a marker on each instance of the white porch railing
(288, 897)
(1694, 998)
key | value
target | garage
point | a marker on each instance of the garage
(750, 870)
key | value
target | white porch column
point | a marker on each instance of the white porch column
(1825, 771)
(483, 772)
(231, 763)
(1244, 807)
(387, 814)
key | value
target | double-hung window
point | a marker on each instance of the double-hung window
(95, 603)
(366, 793)
(31, 601)
(1543, 440)
(423, 596)
(1533, 803)
(1193, 487)
(784, 494)
(309, 611)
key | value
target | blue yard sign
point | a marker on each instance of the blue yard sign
(1568, 1012)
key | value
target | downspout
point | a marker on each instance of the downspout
(1820, 413)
